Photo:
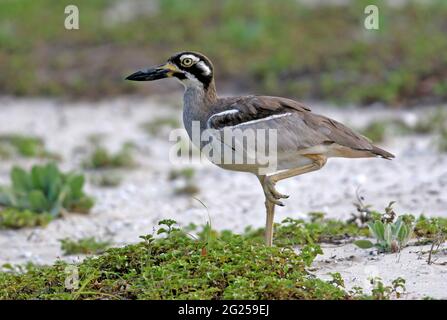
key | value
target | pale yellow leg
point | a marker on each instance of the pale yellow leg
(296, 171)
(272, 196)
(270, 208)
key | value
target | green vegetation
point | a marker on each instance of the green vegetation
(155, 126)
(12, 218)
(43, 191)
(83, 246)
(431, 230)
(23, 146)
(434, 123)
(442, 140)
(392, 233)
(106, 179)
(184, 173)
(383, 292)
(292, 232)
(390, 236)
(101, 158)
(430, 227)
(269, 47)
(176, 266)
(187, 184)
(376, 131)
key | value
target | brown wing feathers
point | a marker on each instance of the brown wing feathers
(244, 109)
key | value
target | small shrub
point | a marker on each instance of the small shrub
(12, 218)
(155, 127)
(24, 146)
(390, 236)
(430, 227)
(45, 189)
(185, 178)
(83, 246)
(433, 122)
(174, 267)
(376, 131)
(187, 190)
(380, 291)
(318, 229)
(431, 230)
(106, 179)
(185, 173)
(101, 158)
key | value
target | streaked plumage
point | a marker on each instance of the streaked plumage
(306, 139)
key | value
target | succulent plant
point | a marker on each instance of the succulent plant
(45, 189)
(391, 233)
(390, 236)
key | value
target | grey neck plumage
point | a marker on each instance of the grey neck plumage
(197, 106)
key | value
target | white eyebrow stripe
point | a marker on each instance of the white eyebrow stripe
(190, 56)
(275, 116)
(206, 70)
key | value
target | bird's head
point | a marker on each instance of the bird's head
(193, 69)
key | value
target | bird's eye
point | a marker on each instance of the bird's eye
(187, 62)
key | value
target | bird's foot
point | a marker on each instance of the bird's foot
(271, 193)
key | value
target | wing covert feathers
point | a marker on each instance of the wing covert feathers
(320, 129)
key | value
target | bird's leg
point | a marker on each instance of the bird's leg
(272, 196)
(268, 182)
(270, 208)
(270, 211)
(318, 162)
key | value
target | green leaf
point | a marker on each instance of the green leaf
(37, 201)
(76, 183)
(46, 189)
(7, 197)
(388, 235)
(403, 235)
(52, 177)
(55, 209)
(54, 189)
(20, 180)
(397, 226)
(376, 229)
(38, 177)
(379, 227)
(364, 244)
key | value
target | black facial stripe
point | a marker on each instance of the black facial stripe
(198, 73)
(180, 75)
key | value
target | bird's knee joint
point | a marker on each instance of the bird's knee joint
(321, 162)
(318, 159)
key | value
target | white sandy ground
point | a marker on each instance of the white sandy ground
(416, 180)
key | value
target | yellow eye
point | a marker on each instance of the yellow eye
(187, 62)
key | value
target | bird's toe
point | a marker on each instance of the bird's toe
(270, 197)
(270, 186)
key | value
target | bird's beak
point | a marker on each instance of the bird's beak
(154, 73)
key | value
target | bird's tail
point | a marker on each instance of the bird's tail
(382, 153)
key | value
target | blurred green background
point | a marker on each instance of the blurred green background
(283, 47)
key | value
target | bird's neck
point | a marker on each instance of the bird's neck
(197, 102)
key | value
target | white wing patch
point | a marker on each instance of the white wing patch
(275, 116)
(231, 111)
